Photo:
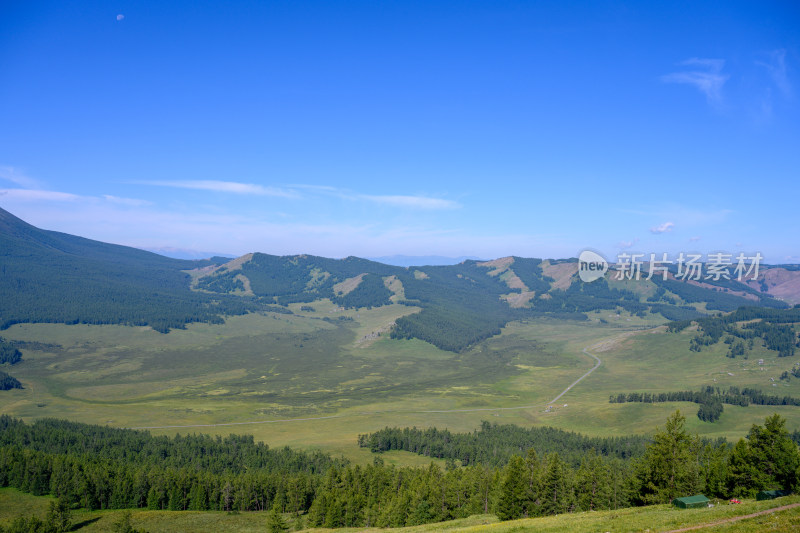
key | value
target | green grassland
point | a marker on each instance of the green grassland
(654, 518)
(318, 379)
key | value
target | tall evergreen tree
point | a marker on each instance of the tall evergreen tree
(592, 483)
(59, 517)
(534, 495)
(774, 454)
(742, 476)
(275, 522)
(513, 502)
(670, 466)
(557, 491)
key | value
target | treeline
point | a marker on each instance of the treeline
(529, 270)
(676, 312)
(709, 398)
(773, 326)
(9, 355)
(461, 306)
(371, 292)
(494, 445)
(674, 464)
(716, 299)
(102, 304)
(301, 278)
(103, 468)
(217, 455)
(8, 382)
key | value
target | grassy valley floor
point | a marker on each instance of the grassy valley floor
(319, 379)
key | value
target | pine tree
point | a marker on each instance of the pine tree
(743, 477)
(197, 498)
(533, 496)
(557, 493)
(513, 499)
(123, 524)
(59, 516)
(774, 454)
(275, 522)
(670, 466)
(592, 483)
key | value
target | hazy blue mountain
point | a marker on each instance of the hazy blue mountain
(421, 260)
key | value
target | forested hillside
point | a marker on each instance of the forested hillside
(466, 303)
(54, 277)
(47, 276)
(775, 328)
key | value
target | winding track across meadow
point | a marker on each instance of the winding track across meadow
(252, 422)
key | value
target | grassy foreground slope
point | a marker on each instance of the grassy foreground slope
(657, 518)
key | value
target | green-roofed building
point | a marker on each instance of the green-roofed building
(691, 502)
(772, 494)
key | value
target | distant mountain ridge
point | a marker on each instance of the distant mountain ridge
(55, 277)
(421, 260)
(47, 276)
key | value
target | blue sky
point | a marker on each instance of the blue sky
(418, 128)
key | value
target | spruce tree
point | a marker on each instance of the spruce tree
(592, 483)
(59, 516)
(670, 466)
(743, 477)
(774, 454)
(275, 522)
(557, 493)
(513, 499)
(533, 496)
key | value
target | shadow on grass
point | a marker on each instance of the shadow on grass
(84, 523)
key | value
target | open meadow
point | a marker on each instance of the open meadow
(318, 379)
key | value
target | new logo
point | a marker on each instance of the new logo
(591, 266)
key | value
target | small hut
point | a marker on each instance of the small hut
(691, 502)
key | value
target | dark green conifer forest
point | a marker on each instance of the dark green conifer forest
(97, 467)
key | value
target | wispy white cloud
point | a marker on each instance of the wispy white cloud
(40, 195)
(37, 195)
(236, 233)
(14, 175)
(662, 228)
(316, 188)
(706, 76)
(126, 201)
(776, 66)
(120, 16)
(413, 202)
(624, 245)
(695, 238)
(396, 200)
(233, 187)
